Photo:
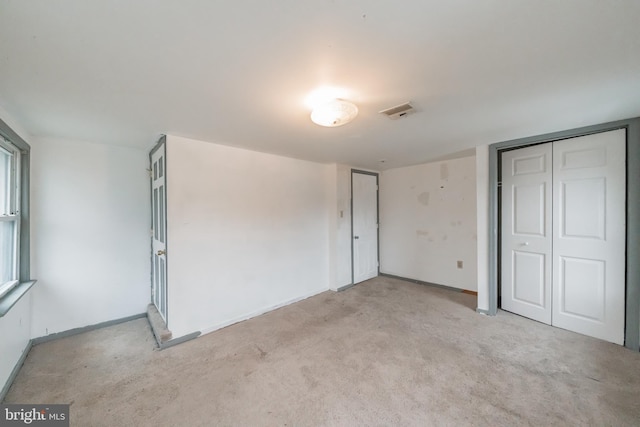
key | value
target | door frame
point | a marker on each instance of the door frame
(161, 143)
(377, 175)
(632, 275)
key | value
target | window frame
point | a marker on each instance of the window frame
(10, 294)
(13, 212)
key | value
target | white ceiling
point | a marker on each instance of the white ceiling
(237, 72)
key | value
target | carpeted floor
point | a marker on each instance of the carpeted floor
(385, 352)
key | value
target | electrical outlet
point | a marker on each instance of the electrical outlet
(459, 264)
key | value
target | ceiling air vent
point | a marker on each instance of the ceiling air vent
(398, 111)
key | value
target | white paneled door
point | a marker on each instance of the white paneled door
(159, 231)
(589, 236)
(365, 226)
(526, 232)
(578, 281)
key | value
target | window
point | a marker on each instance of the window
(15, 280)
(9, 216)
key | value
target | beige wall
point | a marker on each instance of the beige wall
(428, 222)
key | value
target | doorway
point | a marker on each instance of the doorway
(364, 226)
(563, 233)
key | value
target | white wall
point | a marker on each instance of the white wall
(428, 222)
(247, 232)
(15, 332)
(482, 198)
(90, 234)
(343, 230)
(340, 226)
(331, 182)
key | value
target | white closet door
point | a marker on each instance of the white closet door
(526, 232)
(365, 226)
(589, 235)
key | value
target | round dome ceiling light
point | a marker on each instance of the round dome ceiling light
(334, 113)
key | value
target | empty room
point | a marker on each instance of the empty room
(319, 212)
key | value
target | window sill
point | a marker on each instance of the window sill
(13, 296)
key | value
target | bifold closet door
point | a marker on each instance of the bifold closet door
(589, 235)
(563, 234)
(526, 232)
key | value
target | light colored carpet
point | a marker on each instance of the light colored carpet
(385, 352)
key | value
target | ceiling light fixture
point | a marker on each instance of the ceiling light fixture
(336, 112)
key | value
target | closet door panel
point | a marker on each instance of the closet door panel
(589, 235)
(526, 232)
